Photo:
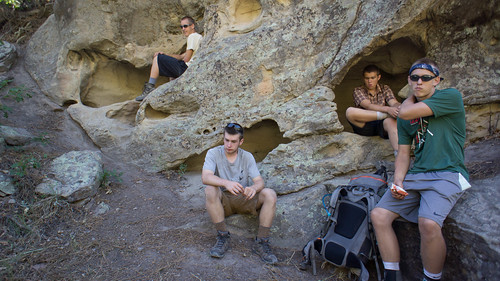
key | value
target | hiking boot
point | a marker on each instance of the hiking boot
(148, 88)
(262, 248)
(222, 244)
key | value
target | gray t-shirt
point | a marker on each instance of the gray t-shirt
(243, 170)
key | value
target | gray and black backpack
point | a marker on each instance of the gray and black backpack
(348, 240)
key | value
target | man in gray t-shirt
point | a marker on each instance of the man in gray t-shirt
(234, 186)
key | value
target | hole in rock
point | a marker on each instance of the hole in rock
(245, 12)
(393, 59)
(111, 81)
(155, 114)
(67, 103)
(260, 139)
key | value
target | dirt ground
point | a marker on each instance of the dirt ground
(156, 227)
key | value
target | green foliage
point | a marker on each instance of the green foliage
(16, 4)
(20, 168)
(5, 82)
(17, 93)
(42, 138)
(107, 177)
(183, 169)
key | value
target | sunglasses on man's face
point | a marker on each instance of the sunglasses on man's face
(425, 78)
(185, 25)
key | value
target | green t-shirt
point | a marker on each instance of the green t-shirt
(439, 139)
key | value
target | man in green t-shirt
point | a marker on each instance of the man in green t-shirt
(434, 121)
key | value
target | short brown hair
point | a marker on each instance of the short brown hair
(371, 68)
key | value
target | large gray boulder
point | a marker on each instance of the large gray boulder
(75, 175)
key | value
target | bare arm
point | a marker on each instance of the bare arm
(188, 55)
(392, 109)
(402, 165)
(411, 109)
(209, 178)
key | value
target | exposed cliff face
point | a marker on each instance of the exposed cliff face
(292, 63)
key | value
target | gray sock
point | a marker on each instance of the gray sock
(152, 81)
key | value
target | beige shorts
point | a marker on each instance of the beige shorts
(238, 204)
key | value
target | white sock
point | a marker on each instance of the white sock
(391, 265)
(435, 276)
(381, 115)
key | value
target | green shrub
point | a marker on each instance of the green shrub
(107, 177)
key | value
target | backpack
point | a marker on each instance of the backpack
(348, 240)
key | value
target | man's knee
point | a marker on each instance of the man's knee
(349, 113)
(268, 196)
(429, 228)
(390, 124)
(381, 217)
(212, 193)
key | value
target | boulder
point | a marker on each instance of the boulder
(471, 235)
(75, 175)
(6, 185)
(8, 55)
(15, 136)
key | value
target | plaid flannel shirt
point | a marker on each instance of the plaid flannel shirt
(382, 96)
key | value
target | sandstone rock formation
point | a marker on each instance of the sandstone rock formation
(291, 64)
(283, 69)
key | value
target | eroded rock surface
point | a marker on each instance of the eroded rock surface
(292, 63)
(75, 175)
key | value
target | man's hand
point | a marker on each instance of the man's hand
(249, 192)
(393, 111)
(234, 187)
(398, 192)
(158, 53)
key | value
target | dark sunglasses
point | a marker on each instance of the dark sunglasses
(236, 126)
(425, 78)
(185, 25)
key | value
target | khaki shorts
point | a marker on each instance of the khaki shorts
(238, 204)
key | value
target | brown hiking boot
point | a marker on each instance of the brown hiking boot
(148, 88)
(262, 248)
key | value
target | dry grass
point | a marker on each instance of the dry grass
(18, 25)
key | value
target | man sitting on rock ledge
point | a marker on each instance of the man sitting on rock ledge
(234, 185)
(173, 65)
(376, 108)
(434, 121)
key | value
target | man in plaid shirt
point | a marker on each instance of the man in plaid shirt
(376, 108)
